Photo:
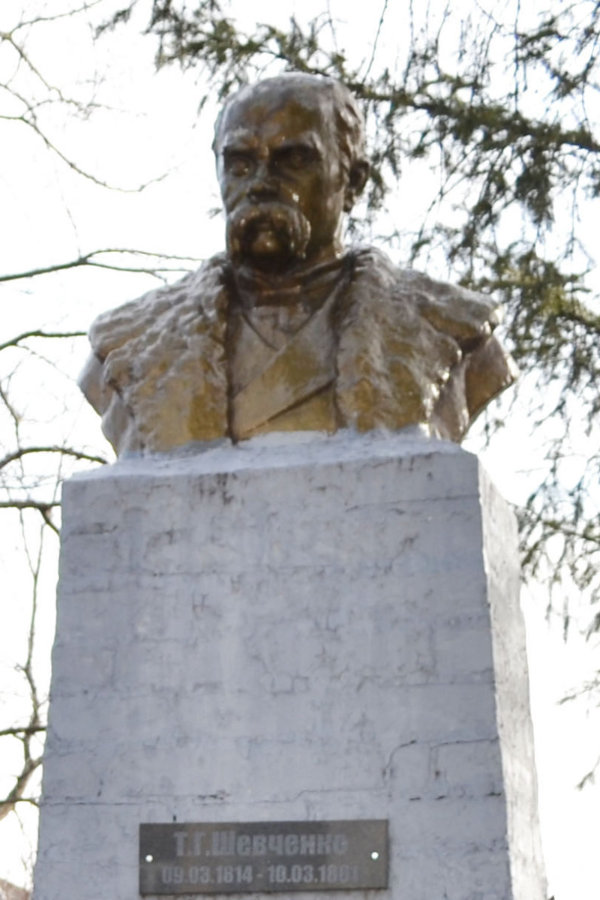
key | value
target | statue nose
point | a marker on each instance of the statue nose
(263, 186)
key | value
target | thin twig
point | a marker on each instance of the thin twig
(64, 451)
(88, 259)
(376, 41)
(41, 334)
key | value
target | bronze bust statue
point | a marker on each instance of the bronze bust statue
(288, 330)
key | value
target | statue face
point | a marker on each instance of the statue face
(281, 178)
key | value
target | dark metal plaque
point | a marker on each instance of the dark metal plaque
(245, 857)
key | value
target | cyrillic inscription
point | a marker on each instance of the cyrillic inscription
(220, 858)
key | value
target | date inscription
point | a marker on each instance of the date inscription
(220, 858)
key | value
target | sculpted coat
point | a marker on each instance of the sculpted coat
(387, 348)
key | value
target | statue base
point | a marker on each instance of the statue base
(296, 629)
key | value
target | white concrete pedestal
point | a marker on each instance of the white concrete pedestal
(293, 629)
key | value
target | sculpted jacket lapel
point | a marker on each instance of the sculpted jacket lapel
(303, 367)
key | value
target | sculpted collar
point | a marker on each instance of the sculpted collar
(309, 286)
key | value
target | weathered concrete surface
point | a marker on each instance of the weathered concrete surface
(292, 629)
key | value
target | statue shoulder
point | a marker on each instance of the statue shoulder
(464, 315)
(199, 294)
(414, 350)
(151, 351)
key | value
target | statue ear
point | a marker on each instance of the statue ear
(356, 183)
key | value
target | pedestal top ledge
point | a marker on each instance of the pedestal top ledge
(281, 450)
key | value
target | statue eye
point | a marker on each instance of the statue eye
(294, 157)
(238, 164)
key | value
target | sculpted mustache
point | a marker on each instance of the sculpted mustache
(284, 220)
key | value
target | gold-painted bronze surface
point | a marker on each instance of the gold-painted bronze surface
(287, 331)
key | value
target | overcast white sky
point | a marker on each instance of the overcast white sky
(50, 214)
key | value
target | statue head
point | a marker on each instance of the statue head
(290, 162)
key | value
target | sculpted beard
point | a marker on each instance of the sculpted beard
(267, 231)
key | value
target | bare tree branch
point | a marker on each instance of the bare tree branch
(31, 123)
(28, 504)
(590, 776)
(28, 117)
(44, 510)
(25, 729)
(376, 41)
(11, 409)
(40, 334)
(16, 795)
(31, 66)
(89, 259)
(71, 12)
(64, 451)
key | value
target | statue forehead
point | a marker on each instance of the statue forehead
(290, 102)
